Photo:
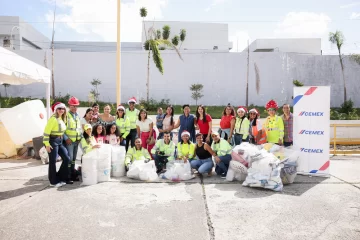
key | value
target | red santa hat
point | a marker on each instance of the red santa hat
(271, 105)
(57, 105)
(185, 133)
(242, 108)
(132, 99)
(120, 107)
(254, 110)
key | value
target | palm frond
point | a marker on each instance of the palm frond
(169, 44)
(154, 44)
(143, 12)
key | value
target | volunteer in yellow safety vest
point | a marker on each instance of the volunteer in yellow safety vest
(274, 125)
(123, 122)
(242, 125)
(163, 151)
(136, 153)
(132, 113)
(53, 141)
(73, 135)
(222, 148)
(185, 148)
(88, 142)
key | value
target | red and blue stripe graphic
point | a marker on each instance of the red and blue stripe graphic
(307, 93)
(323, 167)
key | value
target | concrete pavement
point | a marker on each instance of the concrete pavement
(208, 208)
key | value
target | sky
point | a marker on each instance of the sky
(95, 20)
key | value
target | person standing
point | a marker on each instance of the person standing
(204, 123)
(53, 141)
(242, 125)
(186, 123)
(123, 123)
(257, 135)
(95, 116)
(167, 122)
(132, 113)
(159, 121)
(73, 135)
(145, 130)
(274, 125)
(106, 118)
(87, 119)
(287, 118)
(227, 123)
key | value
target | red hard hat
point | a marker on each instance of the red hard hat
(74, 101)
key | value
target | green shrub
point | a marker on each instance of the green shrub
(347, 107)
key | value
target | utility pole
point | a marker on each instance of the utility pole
(247, 76)
(52, 57)
(118, 57)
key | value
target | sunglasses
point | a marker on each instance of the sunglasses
(61, 109)
(120, 110)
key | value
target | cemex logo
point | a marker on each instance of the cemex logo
(311, 150)
(308, 132)
(311, 114)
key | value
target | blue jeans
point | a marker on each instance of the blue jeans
(288, 144)
(72, 150)
(223, 166)
(202, 165)
(63, 173)
(239, 139)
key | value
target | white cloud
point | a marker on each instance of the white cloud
(350, 5)
(214, 3)
(302, 25)
(355, 15)
(96, 19)
(240, 41)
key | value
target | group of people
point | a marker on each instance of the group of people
(132, 128)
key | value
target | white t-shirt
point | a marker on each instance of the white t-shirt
(144, 126)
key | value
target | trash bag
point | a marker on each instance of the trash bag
(44, 156)
(141, 170)
(265, 173)
(236, 171)
(178, 171)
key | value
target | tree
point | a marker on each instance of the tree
(175, 40)
(196, 91)
(152, 45)
(166, 32)
(158, 34)
(6, 85)
(143, 14)
(95, 92)
(338, 39)
(182, 36)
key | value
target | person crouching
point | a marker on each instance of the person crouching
(162, 152)
(136, 153)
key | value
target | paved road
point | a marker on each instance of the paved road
(209, 208)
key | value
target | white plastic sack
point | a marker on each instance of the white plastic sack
(236, 171)
(265, 173)
(104, 162)
(142, 171)
(178, 171)
(118, 161)
(44, 155)
(89, 168)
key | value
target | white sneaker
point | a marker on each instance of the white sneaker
(63, 183)
(56, 185)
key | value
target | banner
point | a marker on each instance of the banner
(311, 134)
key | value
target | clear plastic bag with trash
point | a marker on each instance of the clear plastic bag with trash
(142, 170)
(44, 156)
(178, 171)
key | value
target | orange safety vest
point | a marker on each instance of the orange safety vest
(255, 132)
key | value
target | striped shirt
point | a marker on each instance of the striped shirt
(288, 127)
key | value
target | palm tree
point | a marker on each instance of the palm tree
(182, 36)
(152, 45)
(166, 32)
(143, 14)
(338, 39)
(175, 40)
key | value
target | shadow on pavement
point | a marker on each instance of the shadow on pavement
(301, 185)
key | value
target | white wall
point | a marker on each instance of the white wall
(289, 45)
(222, 74)
(199, 36)
(26, 31)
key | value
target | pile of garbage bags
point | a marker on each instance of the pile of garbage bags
(100, 163)
(267, 166)
(142, 170)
